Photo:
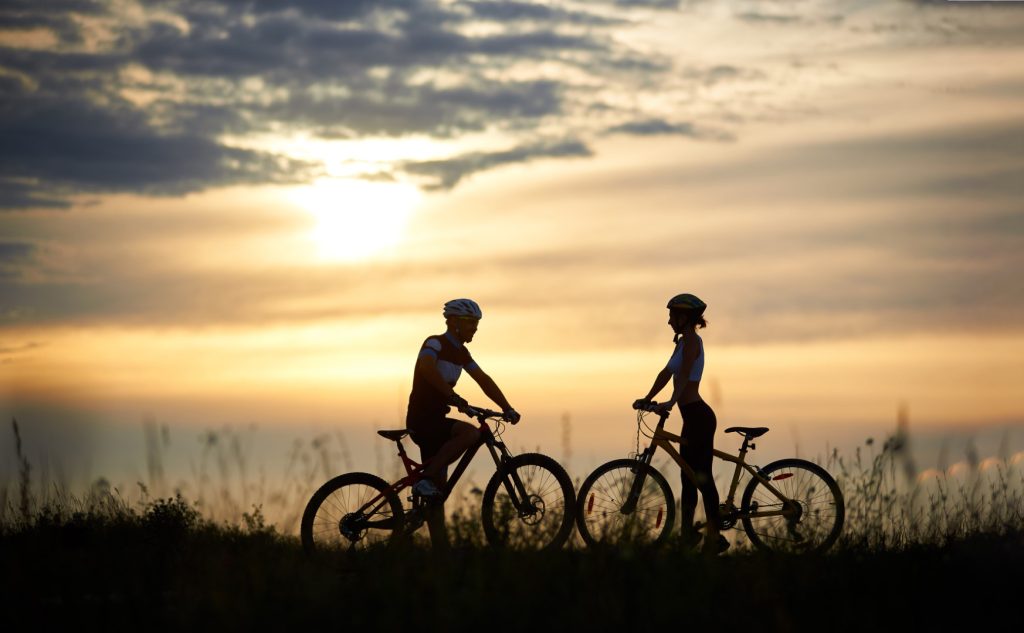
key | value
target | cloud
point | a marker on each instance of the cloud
(658, 127)
(55, 16)
(506, 12)
(446, 173)
(400, 109)
(14, 256)
(15, 349)
(51, 146)
(15, 251)
(146, 105)
(768, 18)
(654, 4)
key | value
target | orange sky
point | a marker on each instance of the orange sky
(839, 181)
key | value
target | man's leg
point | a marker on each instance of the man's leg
(463, 436)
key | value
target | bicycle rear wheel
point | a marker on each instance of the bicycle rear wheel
(811, 502)
(540, 521)
(351, 512)
(607, 515)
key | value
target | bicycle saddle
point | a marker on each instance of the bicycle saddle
(395, 435)
(748, 431)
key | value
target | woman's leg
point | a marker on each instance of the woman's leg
(699, 431)
(688, 496)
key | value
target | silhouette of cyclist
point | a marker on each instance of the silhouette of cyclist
(441, 439)
(685, 368)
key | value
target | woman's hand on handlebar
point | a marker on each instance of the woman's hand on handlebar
(643, 404)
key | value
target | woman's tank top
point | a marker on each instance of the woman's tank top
(675, 363)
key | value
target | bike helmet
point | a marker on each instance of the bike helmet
(462, 308)
(686, 301)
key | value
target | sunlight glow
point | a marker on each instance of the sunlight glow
(357, 219)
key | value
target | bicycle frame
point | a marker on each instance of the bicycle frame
(414, 472)
(663, 439)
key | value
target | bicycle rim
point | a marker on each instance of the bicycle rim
(605, 516)
(352, 512)
(543, 518)
(812, 501)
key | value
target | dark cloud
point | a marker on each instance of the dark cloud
(659, 127)
(149, 112)
(655, 4)
(15, 251)
(768, 18)
(55, 145)
(14, 255)
(52, 15)
(403, 109)
(445, 174)
(534, 12)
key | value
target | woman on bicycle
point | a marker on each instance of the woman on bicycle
(684, 368)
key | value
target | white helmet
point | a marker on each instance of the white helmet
(462, 308)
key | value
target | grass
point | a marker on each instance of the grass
(919, 550)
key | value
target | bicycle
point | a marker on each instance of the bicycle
(790, 505)
(529, 502)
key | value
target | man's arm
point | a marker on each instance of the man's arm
(489, 387)
(426, 368)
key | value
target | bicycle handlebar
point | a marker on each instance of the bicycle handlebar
(649, 406)
(482, 414)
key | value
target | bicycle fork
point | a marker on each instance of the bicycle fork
(629, 505)
(512, 483)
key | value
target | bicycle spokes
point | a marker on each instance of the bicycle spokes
(625, 503)
(796, 508)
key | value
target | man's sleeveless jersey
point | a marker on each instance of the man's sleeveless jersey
(452, 357)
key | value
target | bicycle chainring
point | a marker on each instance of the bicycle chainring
(726, 517)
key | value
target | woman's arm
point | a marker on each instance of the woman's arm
(659, 383)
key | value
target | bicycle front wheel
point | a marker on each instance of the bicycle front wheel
(528, 504)
(625, 502)
(807, 517)
(351, 512)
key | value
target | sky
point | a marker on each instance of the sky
(218, 214)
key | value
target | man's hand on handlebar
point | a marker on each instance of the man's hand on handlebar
(512, 416)
(459, 403)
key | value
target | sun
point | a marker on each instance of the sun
(357, 219)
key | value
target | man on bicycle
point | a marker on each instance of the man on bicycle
(440, 363)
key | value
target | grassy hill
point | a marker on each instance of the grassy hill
(167, 568)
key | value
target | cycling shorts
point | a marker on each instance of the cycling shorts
(430, 434)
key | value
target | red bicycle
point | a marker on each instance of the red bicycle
(529, 503)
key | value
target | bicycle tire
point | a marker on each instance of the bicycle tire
(329, 522)
(602, 496)
(550, 489)
(820, 502)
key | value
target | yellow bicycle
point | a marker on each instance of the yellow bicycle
(791, 505)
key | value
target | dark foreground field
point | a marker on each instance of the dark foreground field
(169, 571)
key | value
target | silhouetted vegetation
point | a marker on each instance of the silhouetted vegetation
(920, 549)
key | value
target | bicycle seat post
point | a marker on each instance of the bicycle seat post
(743, 449)
(406, 462)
